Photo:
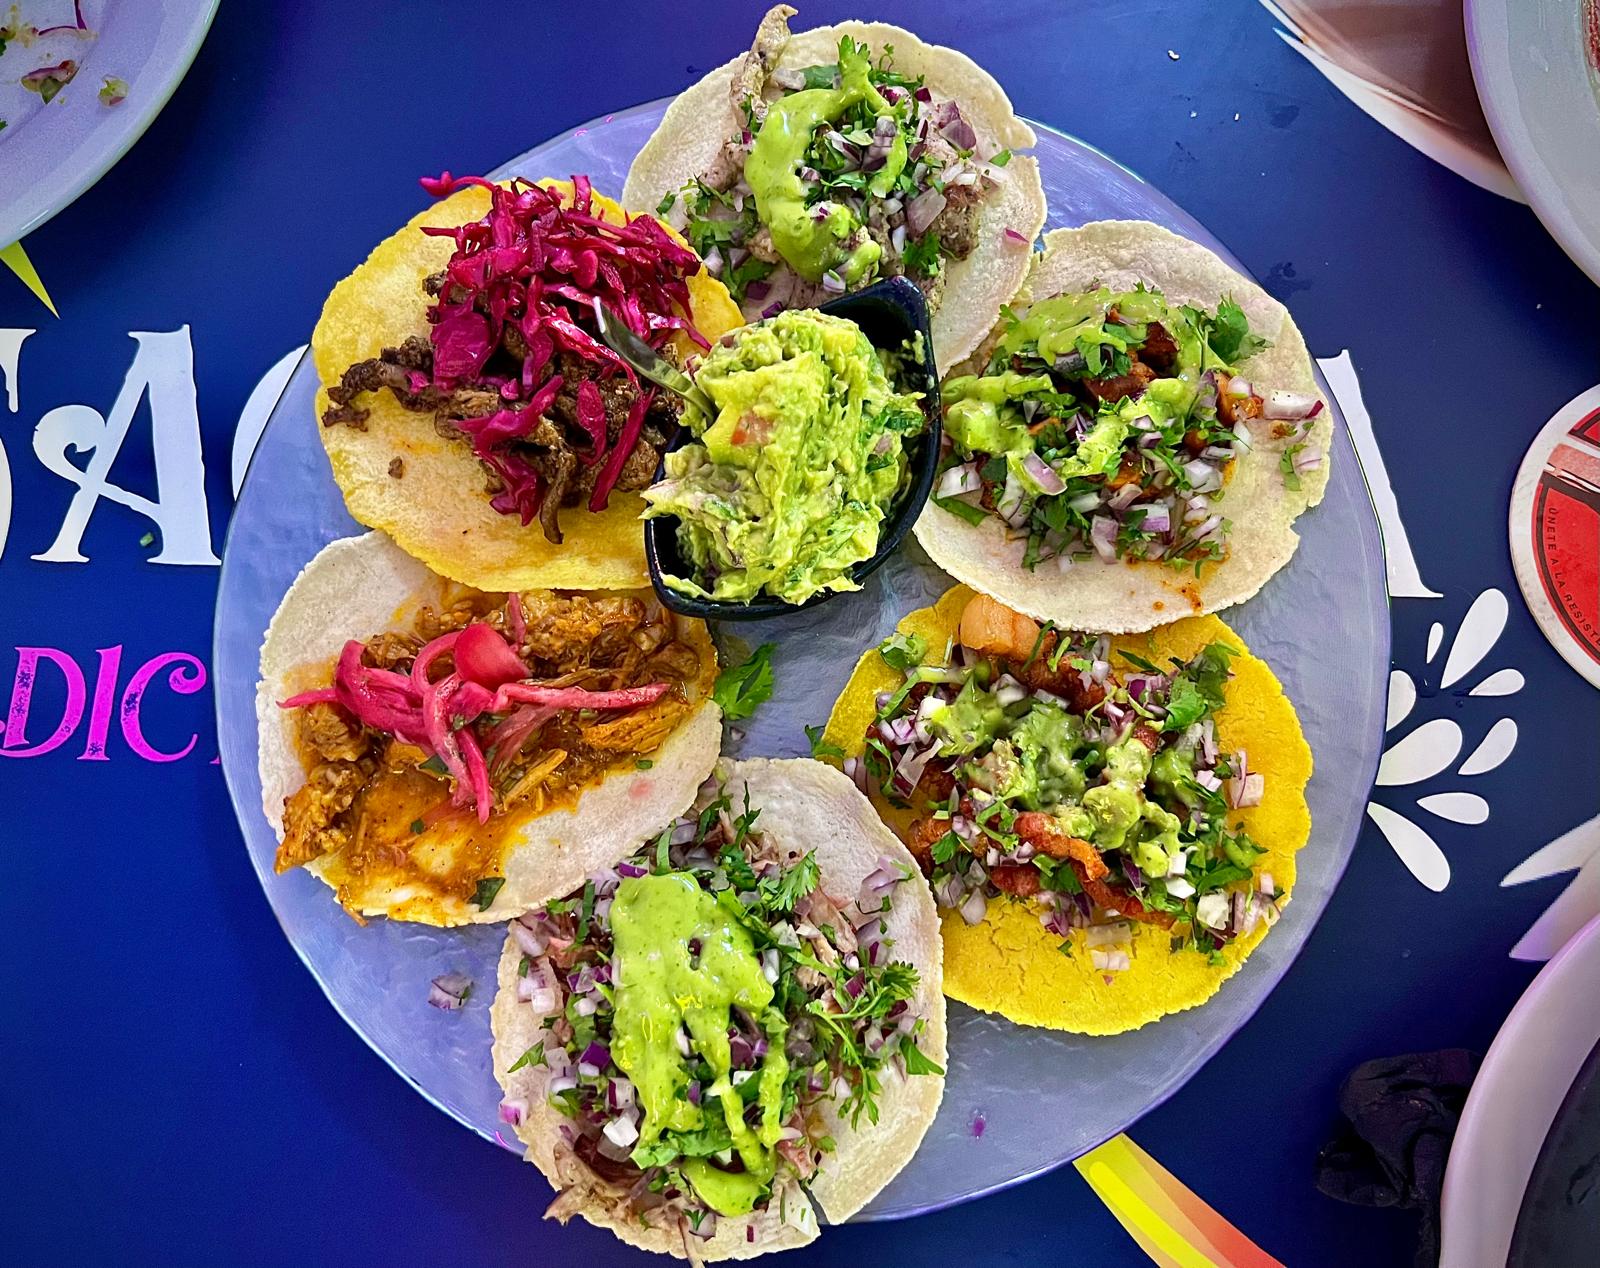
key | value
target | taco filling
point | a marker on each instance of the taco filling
(512, 367)
(788, 486)
(710, 1014)
(1039, 770)
(1107, 425)
(427, 747)
(833, 176)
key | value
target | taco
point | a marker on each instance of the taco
(445, 755)
(819, 162)
(1136, 440)
(467, 405)
(747, 1007)
(1109, 825)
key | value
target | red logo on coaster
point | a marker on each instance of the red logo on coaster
(1555, 532)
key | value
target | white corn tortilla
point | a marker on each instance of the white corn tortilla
(361, 586)
(810, 807)
(701, 118)
(1119, 597)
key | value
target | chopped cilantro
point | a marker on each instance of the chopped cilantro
(532, 1059)
(791, 884)
(821, 747)
(588, 911)
(916, 1060)
(903, 651)
(418, 827)
(488, 887)
(921, 255)
(644, 763)
(147, 539)
(741, 688)
(966, 510)
(1001, 159)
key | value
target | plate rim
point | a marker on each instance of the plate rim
(1462, 1233)
(1494, 81)
(1200, 1053)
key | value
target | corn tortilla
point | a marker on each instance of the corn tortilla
(361, 586)
(700, 119)
(436, 507)
(1118, 597)
(1009, 964)
(809, 807)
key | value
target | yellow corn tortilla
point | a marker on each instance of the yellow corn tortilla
(361, 586)
(1009, 964)
(436, 508)
(701, 118)
(1119, 596)
(811, 808)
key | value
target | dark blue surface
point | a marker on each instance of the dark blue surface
(174, 1087)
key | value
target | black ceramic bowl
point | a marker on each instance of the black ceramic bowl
(888, 313)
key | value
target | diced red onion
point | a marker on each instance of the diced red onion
(1244, 792)
(1290, 405)
(922, 210)
(1124, 496)
(513, 1110)
(1157, 517)
(973, 908)
(833, 283)
(1238, 388)
(621, 1131)
(1083, 503)
(959, 480)
(1103, 537)
(1042, 474)
(1307, 460)
(1011, 240)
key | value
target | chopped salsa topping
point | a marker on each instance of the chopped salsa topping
(706, 1003)
(1106, 425)
(1041, 770)
(834, 176)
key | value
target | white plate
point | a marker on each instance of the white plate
(51, 152)
(1539, 96)
(1513, 1101)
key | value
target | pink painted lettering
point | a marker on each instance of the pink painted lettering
(187, 676)
(15, 743)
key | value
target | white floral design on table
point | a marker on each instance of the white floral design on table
(1576, 905)
(1431, 748)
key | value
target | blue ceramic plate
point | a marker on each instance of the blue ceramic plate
(50, 152)
(1322, 623)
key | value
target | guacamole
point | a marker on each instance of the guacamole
(788, 485)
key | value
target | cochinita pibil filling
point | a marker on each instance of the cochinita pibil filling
(512, 365)
(484, 711)
(833, 176)
(708, 1009)
(1040, 771)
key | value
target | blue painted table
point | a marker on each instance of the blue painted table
(175, 1088)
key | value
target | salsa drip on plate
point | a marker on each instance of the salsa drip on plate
(1037, 769)
(1107, 426)
(711, 1014)
(433, 743)
(512, 364)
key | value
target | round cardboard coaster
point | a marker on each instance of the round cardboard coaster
(1555, 532)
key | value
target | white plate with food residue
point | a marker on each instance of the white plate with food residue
(80, 81)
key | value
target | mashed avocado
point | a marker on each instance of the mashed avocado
(789, 484)
(666, 986)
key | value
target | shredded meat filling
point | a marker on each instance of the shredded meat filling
(556, 445)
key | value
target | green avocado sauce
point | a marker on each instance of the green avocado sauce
(664, 988)
(810, 244)
(792, 479)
